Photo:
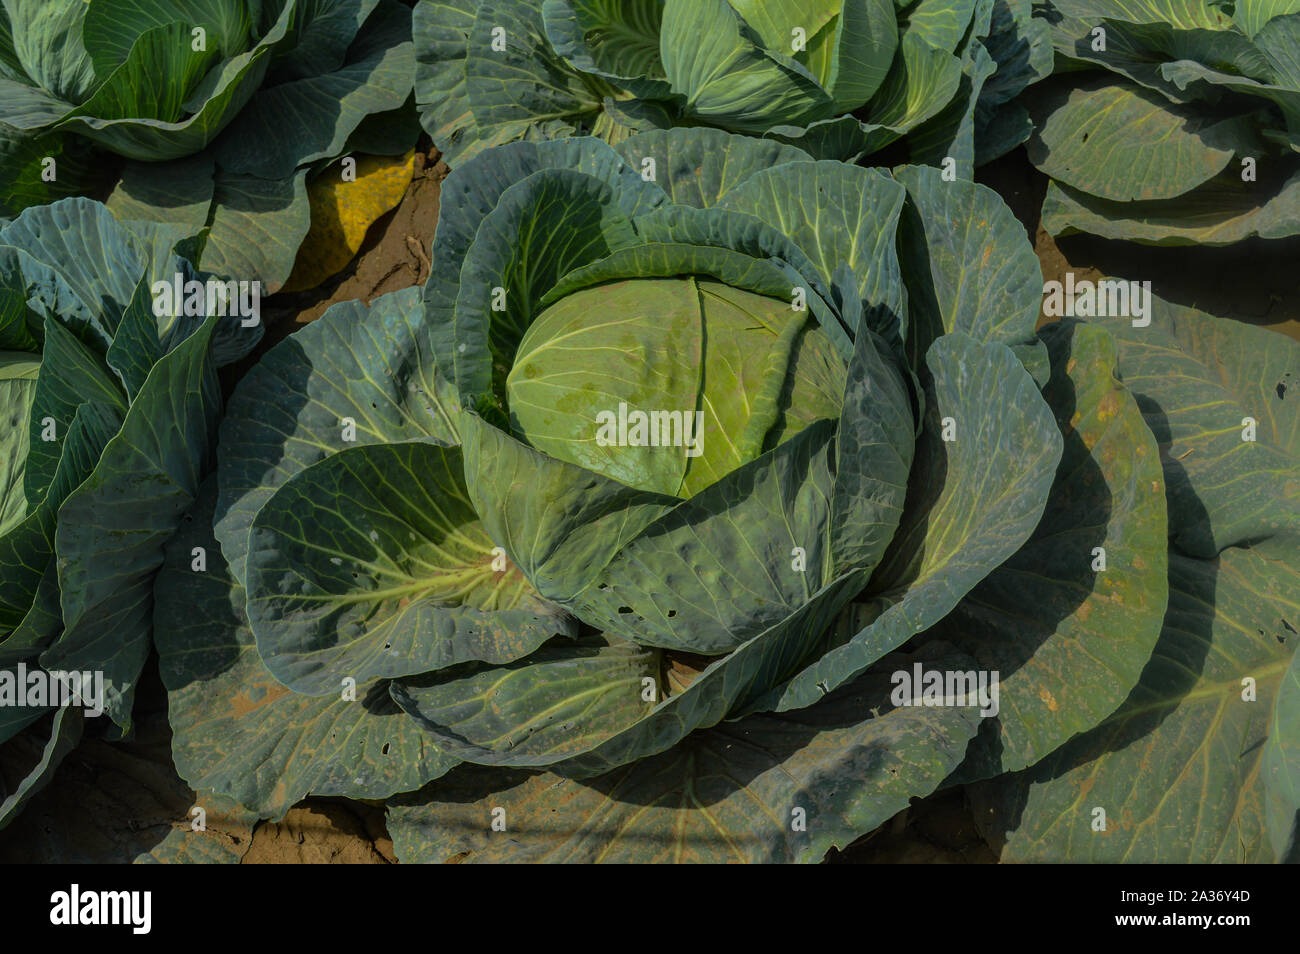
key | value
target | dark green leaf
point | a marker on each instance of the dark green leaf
(1179, 770)
(565, 698)
(238, 731)
(973, 502)
(1198, 379)
(112, 528)
(372, 365)
(698, 166)
(768, 788)
(967, 263)
(372, 564)
(1069, 637)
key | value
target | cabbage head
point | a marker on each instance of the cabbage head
(840, 78)
(1174, 124)
(201, 114)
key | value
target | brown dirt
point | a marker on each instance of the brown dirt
(324, 831)
(395, 254)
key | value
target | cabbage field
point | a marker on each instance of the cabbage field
(649, 431)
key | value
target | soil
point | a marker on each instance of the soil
(324, 831)
(394, 256)
(111, 801)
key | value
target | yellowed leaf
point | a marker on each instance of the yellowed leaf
(342, 212)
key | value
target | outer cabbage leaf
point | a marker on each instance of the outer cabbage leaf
(968, 508)
(1021, 45)
(560, 701)
(1126, 144)
(1211, 108)
(1201, 381)
(1219, 677)
(966, 263)
(768, 788)
(129, 397)
(1184, 14)
(699, 168)
(1222, 212)
(843, 218)
(1179, 769)
(469, 198)
(18, 372)
(112, 528)
(401, 579)
(1069, 626)
(239, 732)
(616, 40)
(40, 753)
(372, 365)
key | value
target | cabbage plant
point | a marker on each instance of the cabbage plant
(200, 113)
(643, 530)
(840, 78)
(108, 409)
(1183, 127)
